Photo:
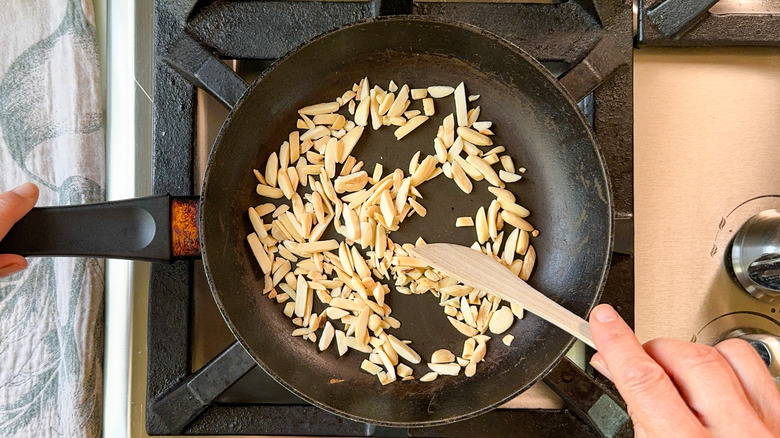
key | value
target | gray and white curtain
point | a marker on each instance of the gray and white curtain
(51, 127)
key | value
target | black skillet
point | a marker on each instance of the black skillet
(565, 187)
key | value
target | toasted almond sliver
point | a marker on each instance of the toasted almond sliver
(517, 309)
(513, 208)
(388, 209)
(423, 171)
(320, 108)
(261, 255)
(404, 350)
(442, 356)
(362, 112)
(439, 91)
(370, 367)
(341, 342)
(257, 223)
(271, 169)
(464, 221)
(349, 141)
(474, 137)
(269, 192)
(492, 214)
(320, 246)
(428, 107)
(418, 208)
(483, 232)
(507, 340)
(470, 170)
(411, 114)
(445, 369)
(327, 336)
(510, 246)
(419, 93)
(460, 178)
(508, 177)
(485, 169)
(264, 209)
(386, 103)
(516, 221)
(429, 377)
(502, 193)
(528, 263)
(463, 328)
(522, 242)
(460, 105)
(410, 126)
(336, 313)
(399, 105)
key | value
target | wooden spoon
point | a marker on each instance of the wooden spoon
(481, 271)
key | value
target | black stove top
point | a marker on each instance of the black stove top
(589, 42)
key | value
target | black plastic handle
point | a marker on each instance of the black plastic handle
(137, 229)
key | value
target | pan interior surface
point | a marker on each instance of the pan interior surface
(565, 188)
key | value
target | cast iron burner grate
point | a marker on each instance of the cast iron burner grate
(591, 39)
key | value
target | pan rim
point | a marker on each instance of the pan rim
(516, 50)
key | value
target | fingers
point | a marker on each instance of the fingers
(655, 403)
(709, 386)
(755, 380)
(14, 204)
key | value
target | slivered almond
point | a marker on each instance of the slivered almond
(257, 223)
(507, 340)
(445, 369)
(361, 113)
(522, 242)
(470, 170)
(404, 350)
(508, 177)
(517, 310)
(399, 105)
(327, 336)
(386, 103)
(460, 105)
(261, 255)
(429, 377)
(401, 195)
(410, 126)
(349, 141)
(442, 356)
(428, 107)
(370, 367)
(463, 328)
(411, 114)
(439, 91)
(492, 214)
(528, 263)
(485, 169)
(418, 208)
(474, 137)
(320, 246)
(351, 183)
(271, 168)
(513, 208)
(483, 232)
(502, 193)
(392, 87)
(419, 93)
(388, 209)
(449, 130)
(269, 192)
(510, 247)
(423, 171)
(473, 115)
(460, 178)
(320, 108)
(516, 221)
(464, 221)
(264, 209)
(341, 342)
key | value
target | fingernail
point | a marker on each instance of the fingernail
(605, 313)
(26, 190)
(11, 269)
(601, 367)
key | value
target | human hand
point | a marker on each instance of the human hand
(14, 204)
(679, 389)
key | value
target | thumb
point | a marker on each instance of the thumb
(16, 203)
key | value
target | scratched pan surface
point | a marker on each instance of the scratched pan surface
(565, 188)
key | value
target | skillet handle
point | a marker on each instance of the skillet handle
(593, 403)
(137, 229)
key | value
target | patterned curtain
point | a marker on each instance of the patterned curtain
(51, 314)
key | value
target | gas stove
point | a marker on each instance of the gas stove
(199, 381)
